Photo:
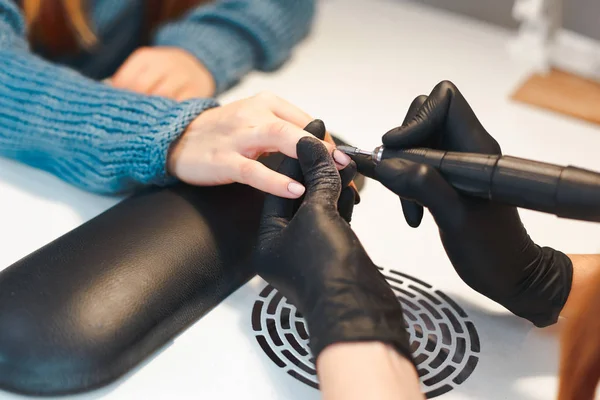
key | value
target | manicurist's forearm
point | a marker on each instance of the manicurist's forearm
(585, 266)
(369, 370)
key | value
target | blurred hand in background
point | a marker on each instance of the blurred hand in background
(164, 71)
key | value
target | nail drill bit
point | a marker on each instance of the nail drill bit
(376, 154)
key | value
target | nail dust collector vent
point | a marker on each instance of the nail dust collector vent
(444, 341)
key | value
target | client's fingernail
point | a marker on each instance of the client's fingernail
(341, 158)
(296, 189)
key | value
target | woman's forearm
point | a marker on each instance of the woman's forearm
(370, 370)
(89, 134)
(584, 268)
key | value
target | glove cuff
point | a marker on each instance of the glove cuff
(364, 312)
(551, 284)
(559, 287)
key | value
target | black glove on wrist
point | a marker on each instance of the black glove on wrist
(486, 242)
(310, 254)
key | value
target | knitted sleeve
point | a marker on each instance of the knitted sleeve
(89, 134)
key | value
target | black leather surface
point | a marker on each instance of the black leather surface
(86, 308)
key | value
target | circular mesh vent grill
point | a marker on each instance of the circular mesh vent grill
(444, 342)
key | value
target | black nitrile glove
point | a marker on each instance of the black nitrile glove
(310, 254)
(486, 242)
(349, 196)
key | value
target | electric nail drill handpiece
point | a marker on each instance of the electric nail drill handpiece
(567, 192)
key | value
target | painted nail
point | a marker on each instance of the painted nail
(341, 158)
(296, 189)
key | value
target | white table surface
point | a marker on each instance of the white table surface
(359, 71)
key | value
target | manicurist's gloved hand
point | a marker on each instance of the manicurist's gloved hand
(308, 251)
(486, 242)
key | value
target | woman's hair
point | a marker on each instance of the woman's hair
(62, 26)
(580, 347)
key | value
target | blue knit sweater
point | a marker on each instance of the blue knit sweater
(58, 117)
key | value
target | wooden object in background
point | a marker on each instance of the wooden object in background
(562, 92)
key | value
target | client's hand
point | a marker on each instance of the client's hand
(309, 253)
(221, 146)
(486, 242)
(165, 71)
